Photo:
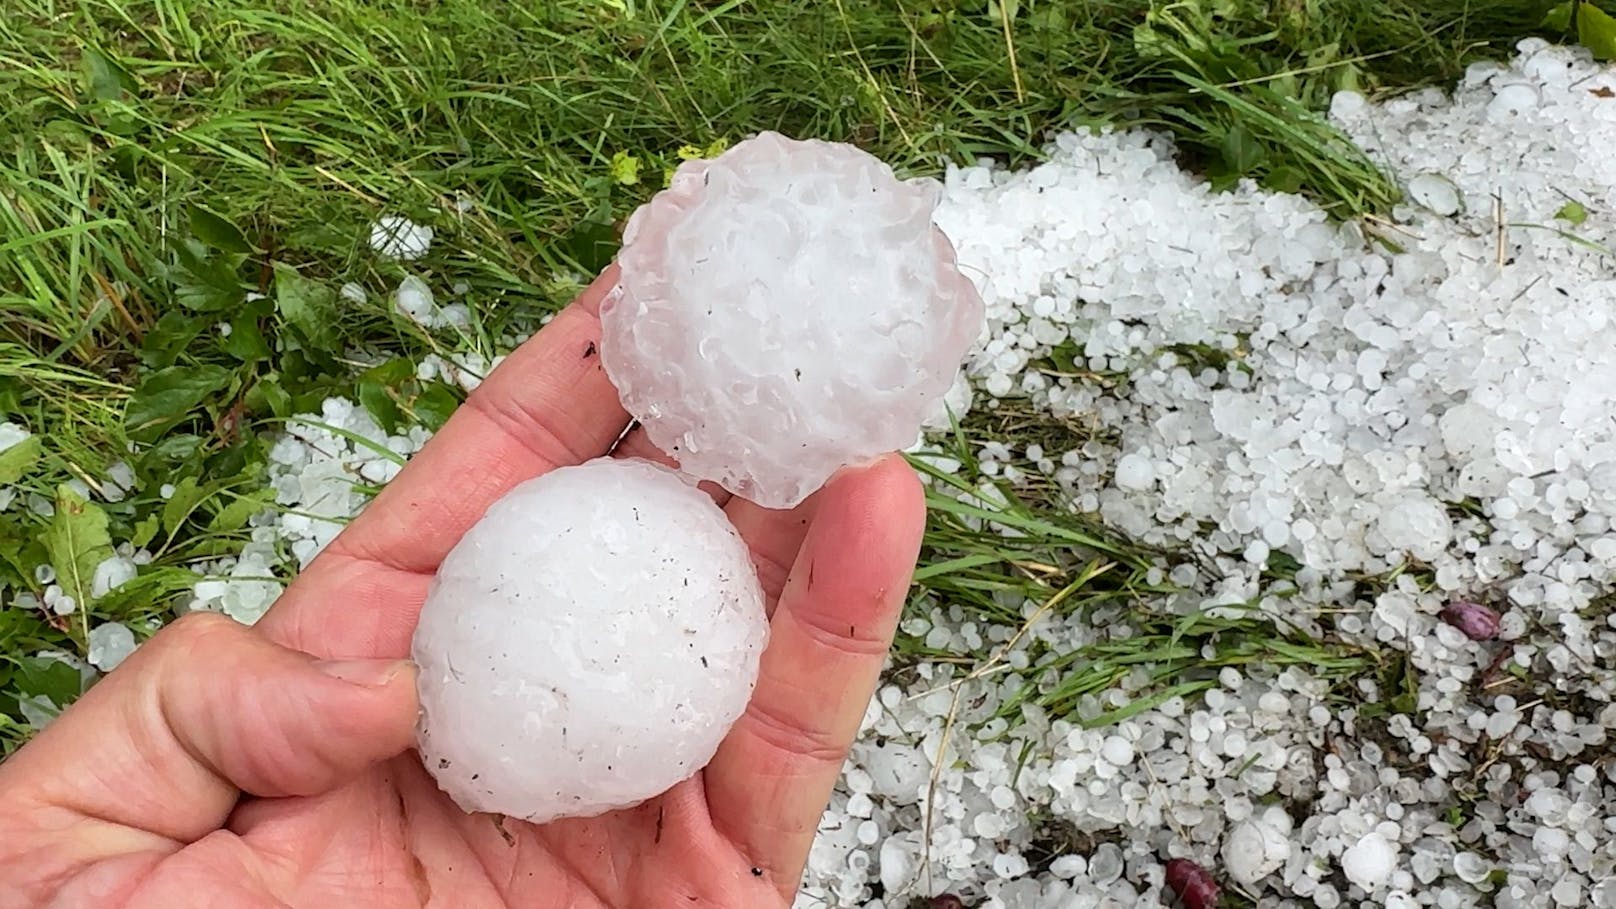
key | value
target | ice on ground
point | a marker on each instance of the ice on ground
(12, 433)
(242, 587)
(1369, 863)
(1256, 381)
(1293, 390)
(111, 574)
(110, 644)
(397, 237)
(416, 301)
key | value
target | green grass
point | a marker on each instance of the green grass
(165, 163)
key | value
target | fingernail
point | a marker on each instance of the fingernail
(369, 673)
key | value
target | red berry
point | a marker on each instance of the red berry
(1193, 884)
(946, 901)
(1476, 621)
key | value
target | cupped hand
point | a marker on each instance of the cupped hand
(269, 766)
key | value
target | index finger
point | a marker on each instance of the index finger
(549, 404)
(769, 782)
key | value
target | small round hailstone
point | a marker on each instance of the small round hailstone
(1136, 472)
(786, 309)
(397, 237)
(1434, 192)
(587, 644)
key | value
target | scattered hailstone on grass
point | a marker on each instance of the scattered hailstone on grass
(111, 574)
(110, 643)
(416, 301)
(12, 433)
(587, 644)
(786, 309)
(243, 588)
(397, 237)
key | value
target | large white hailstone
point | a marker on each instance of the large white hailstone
(1257, 847)
(1369, 863)
(1417, 524)
(587, 644)
(110, 644)
(786, 309)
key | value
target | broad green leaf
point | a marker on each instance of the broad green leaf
(1573, 213)
(217, 232)
(206, 281)
(77, 542)
(435, 405)
(147, 592)
(43, 676)
(169, 452)
(309, 307)
(1559, 18)
(20, 552)
(107, 77)
(187, 495)
(381, 387)
(1596, 30)
(15, 460)
(234, 516)
(379, 403)
(1285, 179)
(21, 630)
(168, 395)
(245, 341)
(1241, 150)
(169, 337)
(145, 531)
(268, 395)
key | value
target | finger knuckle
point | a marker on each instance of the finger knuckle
(198, 631)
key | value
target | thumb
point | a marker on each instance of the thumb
(205, 709)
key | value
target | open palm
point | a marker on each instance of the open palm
(208, 771)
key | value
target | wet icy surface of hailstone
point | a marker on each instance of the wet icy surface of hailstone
(786, 309)
(587, 644)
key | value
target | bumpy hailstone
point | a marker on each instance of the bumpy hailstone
(786, 309)
(587, 644)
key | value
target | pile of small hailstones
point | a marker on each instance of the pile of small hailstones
(1431, 403)
(1435, 401)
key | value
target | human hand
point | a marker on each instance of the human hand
(222, 765)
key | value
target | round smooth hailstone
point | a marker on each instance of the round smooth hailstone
(784, 310)
(587, 644)
(1369, 863)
